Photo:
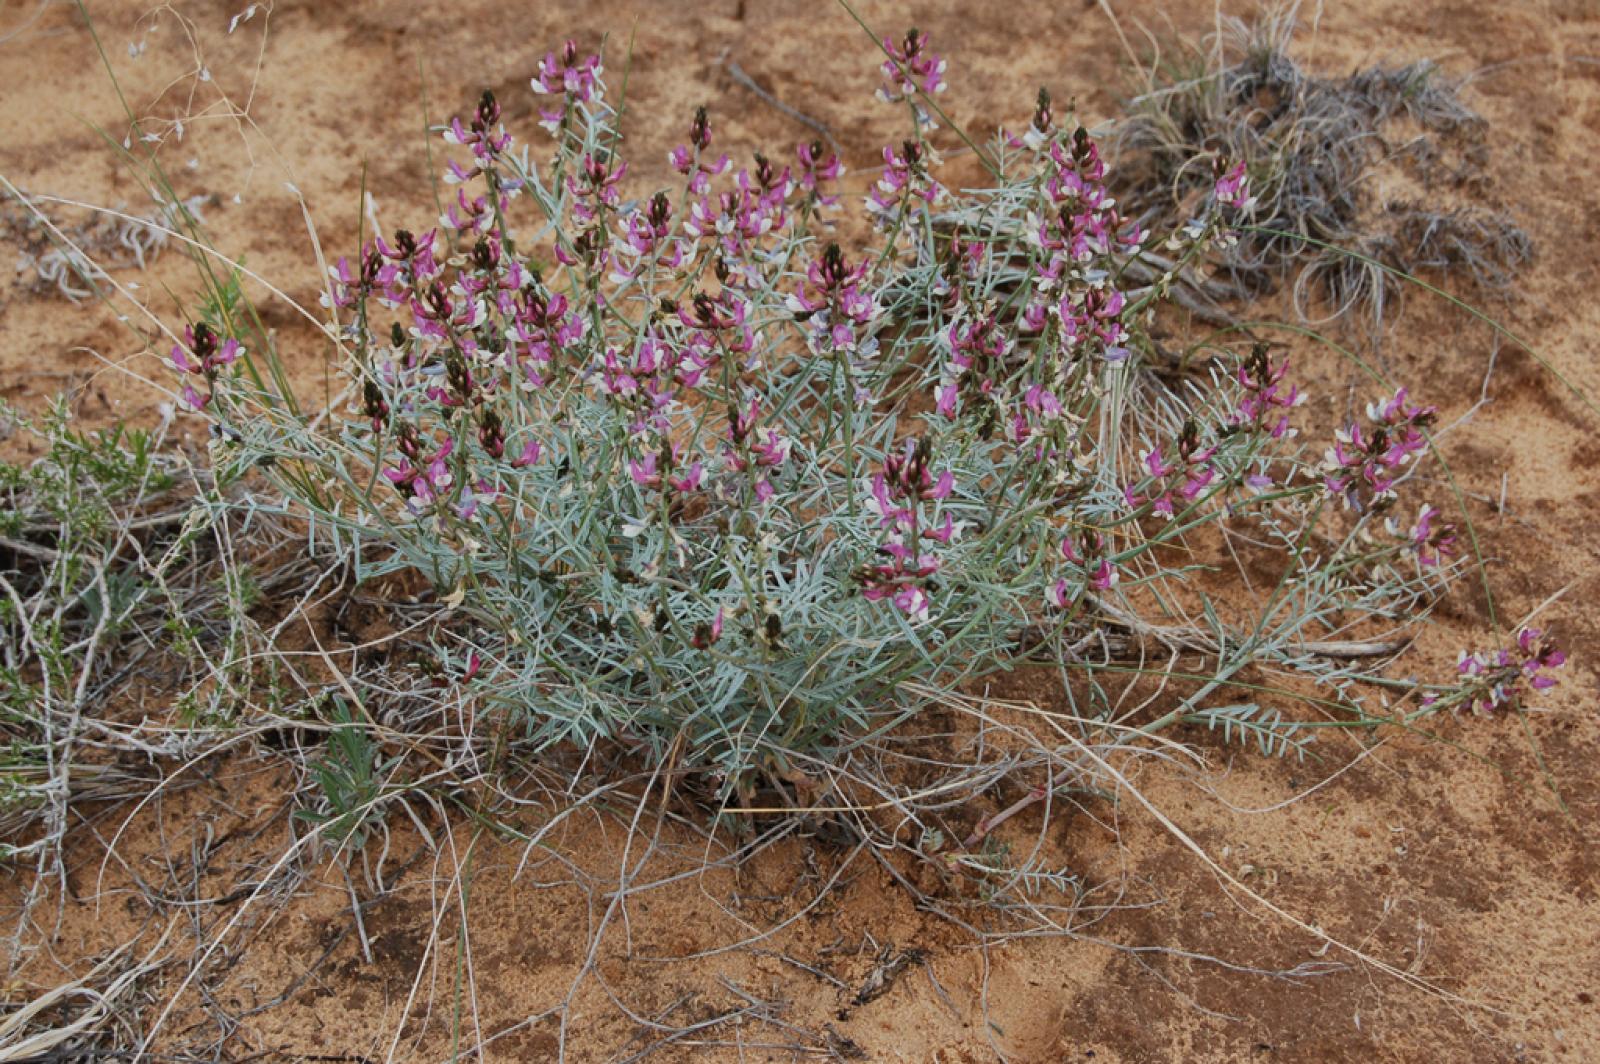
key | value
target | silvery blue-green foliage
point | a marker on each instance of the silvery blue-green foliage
(699, 480)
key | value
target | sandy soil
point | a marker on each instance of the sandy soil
(1452, 862)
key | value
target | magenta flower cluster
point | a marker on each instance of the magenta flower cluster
(1081, 224)
(976, 367)
(837, 304)
(1232, 188)
(1497, 679)
(902, 494)
(905, 187)
(1361, 467)
(1430, 538)
(202, 356)
(1175, 483)
(1264, 402)
(1088, 556)
(570, 75)
(911, 70)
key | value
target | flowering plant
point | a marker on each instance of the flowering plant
(707, 483)
(1501, 679)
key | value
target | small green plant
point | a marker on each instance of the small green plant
(97, 535)
(225, 303)
(351, 783)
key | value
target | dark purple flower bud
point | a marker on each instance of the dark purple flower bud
(374, 406)
(485, 255)
(700, 130)
(205, 342)
(488, 112)
(659, 212)
(766, 175)
(834, 271)
(462, 386)
(491, 434)
(408, 441)
(440, 305)
(1043, 120)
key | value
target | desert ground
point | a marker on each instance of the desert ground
(1468, 864)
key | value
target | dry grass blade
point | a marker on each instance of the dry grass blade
(1323, 153)
(67, 1018)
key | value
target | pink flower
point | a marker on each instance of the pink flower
(1060, 595)
(643, 471)
(713, 313)
(908, 476)
(755, 446)
(898, 494)
(903, 581)
(1194, 465)
(689, 481)
(685, 157)
(485, 136)
(1539, 655)
(1361, 468)
(1264, 395)
(343, 291)
(1233, 189)
(815, 170)
(1154, 465)
(529, 456)
(1432, 539)
(905, 181)
(910, 70)
(422, 479)
(834, 303)
(1088, 556)
(472, 495)
(1489, 680)
(912, 600)
(1042, 401)
(977, 355)
(202, 354)
(707, 634)
(595, 186)
(566, 73)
